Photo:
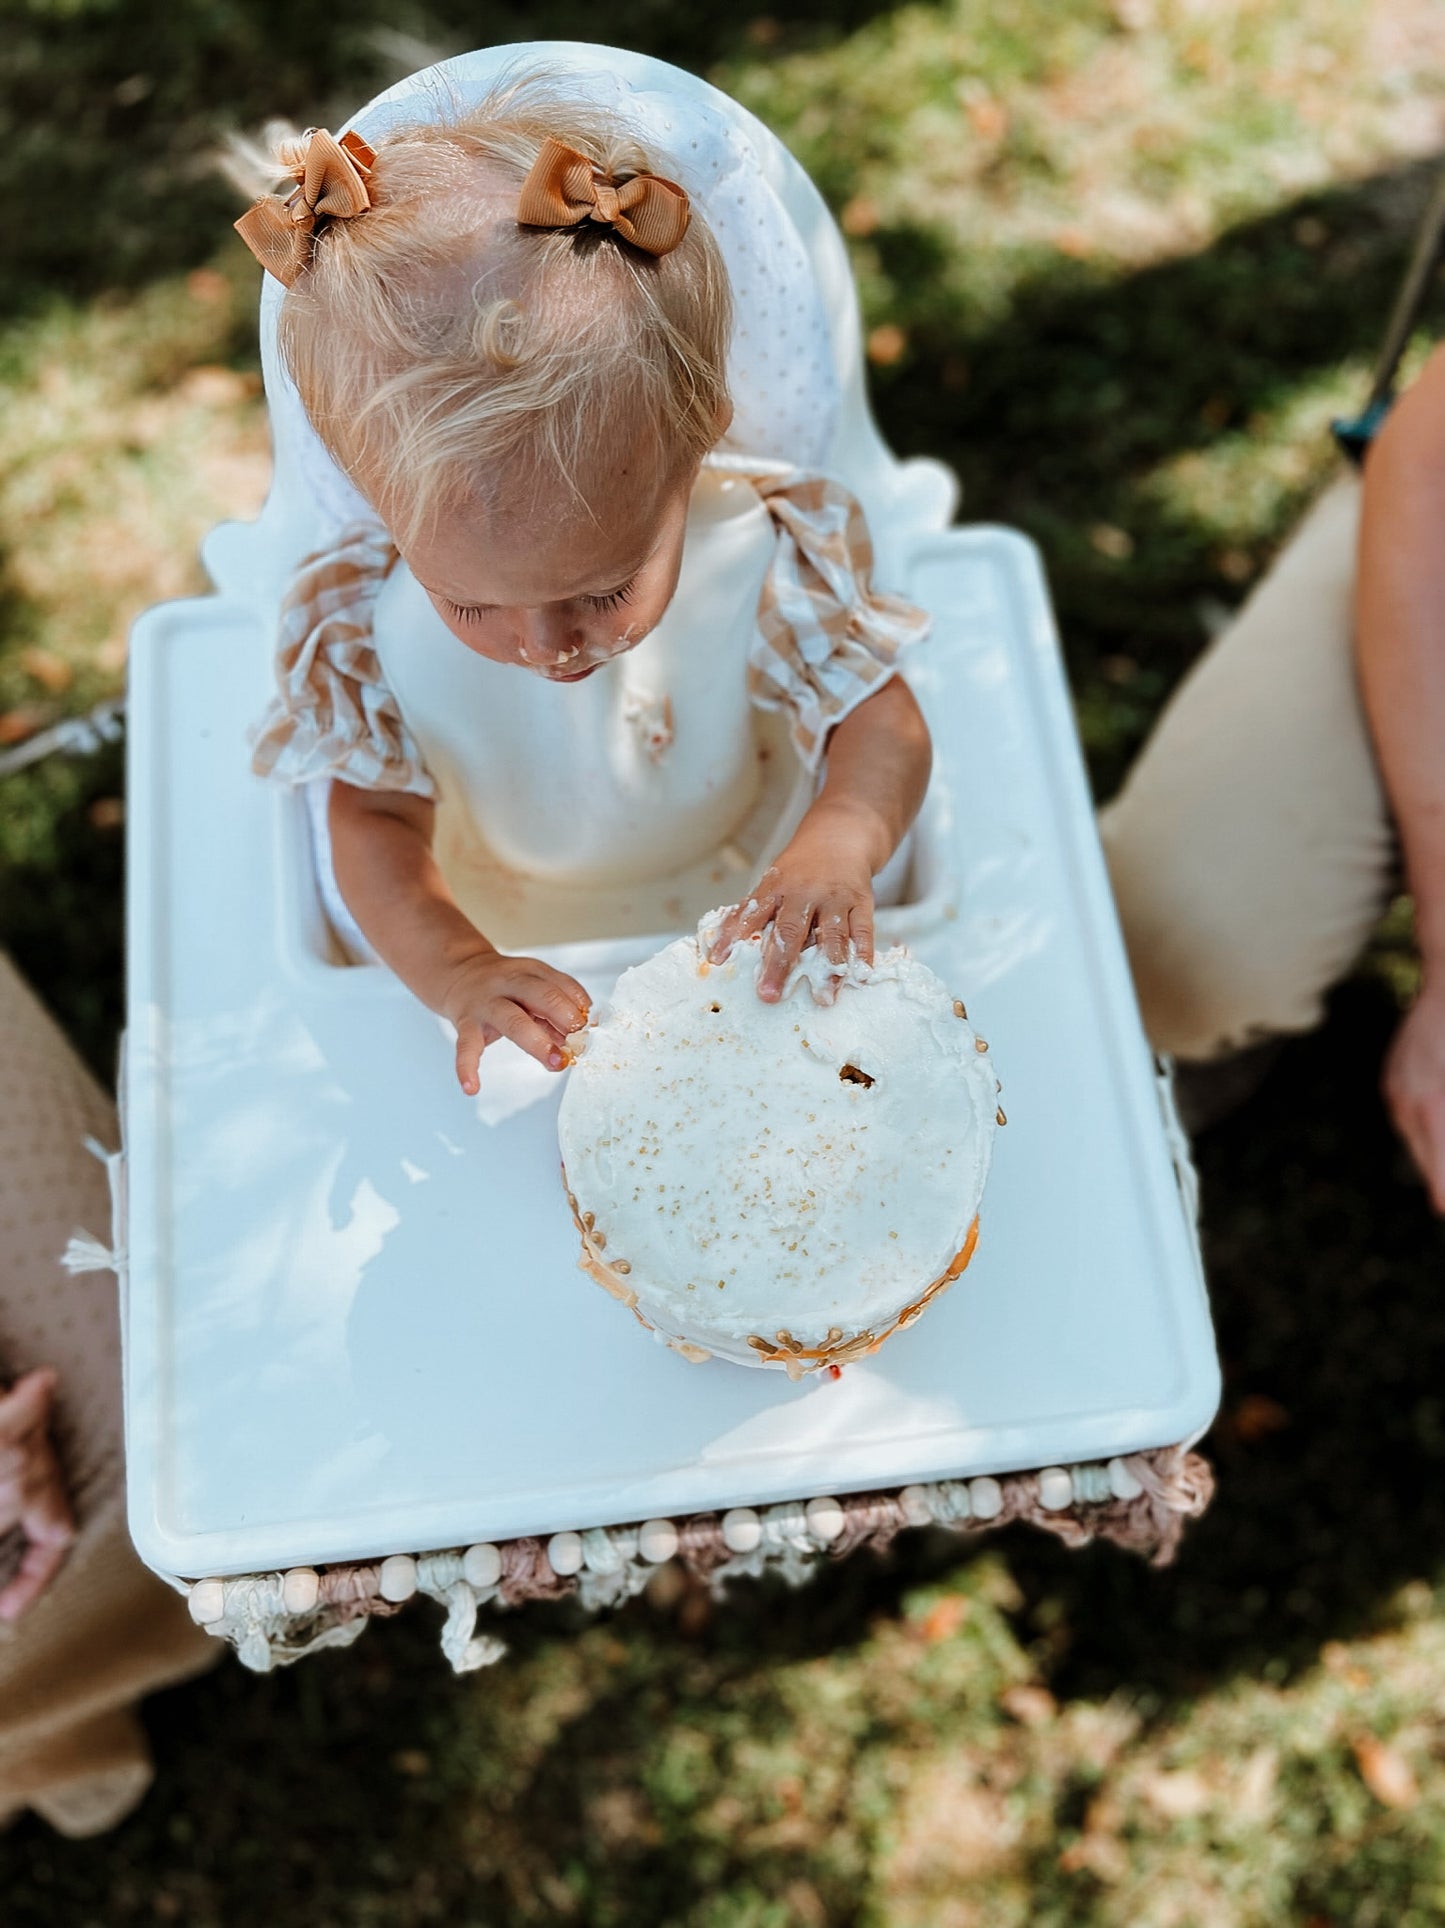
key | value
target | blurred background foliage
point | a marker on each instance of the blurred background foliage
(1120, 261)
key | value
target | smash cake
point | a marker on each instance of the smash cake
(779, 1184)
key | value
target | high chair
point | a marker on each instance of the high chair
(360, 1359)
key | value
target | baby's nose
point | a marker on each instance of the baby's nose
(549, 639)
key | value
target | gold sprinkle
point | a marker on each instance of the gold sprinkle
(622, 1266)
(599, 1239)
(980, 1044)
(999, 1118)
(958, 1010)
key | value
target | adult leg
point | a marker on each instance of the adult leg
(1250, 848)
(105, 1631)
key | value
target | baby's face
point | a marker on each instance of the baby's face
(556, 593)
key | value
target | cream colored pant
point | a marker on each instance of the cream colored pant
(1250, 848)
(105, 1631)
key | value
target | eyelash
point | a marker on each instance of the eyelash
(610, 601)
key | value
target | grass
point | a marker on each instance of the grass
(1120, 265)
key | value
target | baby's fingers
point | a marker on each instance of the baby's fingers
(860, 929)
(530, 1034)
(743, 920)
(792, 925)
(833, 926)
(559, 1002)
(38, 1567)
(25, 1408)
(472, 1040)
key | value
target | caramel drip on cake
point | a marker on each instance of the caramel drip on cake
(837, 1350)
(784, 1350)
(610, 1274)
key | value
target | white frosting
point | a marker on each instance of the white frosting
(732, 1155)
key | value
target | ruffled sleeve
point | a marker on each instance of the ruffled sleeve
(826, 638)
(333, 715)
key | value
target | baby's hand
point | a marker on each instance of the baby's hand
(521, 998)
(32, 1491)
(817, 889)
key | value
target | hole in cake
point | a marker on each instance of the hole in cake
(850, 1074)
(714, 1007)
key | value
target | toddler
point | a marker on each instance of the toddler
(513, 326)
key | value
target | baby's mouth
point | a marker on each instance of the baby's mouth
(571, 675)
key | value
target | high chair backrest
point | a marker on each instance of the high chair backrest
(902, 499)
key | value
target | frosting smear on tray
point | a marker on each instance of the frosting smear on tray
(777, 1184)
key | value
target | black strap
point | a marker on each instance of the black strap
(1355, 433)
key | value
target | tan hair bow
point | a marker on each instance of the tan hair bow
(331, 185)
(564, 189)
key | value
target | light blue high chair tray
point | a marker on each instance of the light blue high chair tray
(360, 1359)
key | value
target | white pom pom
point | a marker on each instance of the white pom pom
(482, 1565)
(1056, 1489)
(564, 1553)
(825, 1519)
(916, 1509)
(1122, 1482)
(742, 1530)
(207, 1602)
(87, 1254)
(300, 1590)
(657, 1541)
(397, 1581)
(986, 1497)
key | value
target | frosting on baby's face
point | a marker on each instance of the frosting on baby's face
(558, 590)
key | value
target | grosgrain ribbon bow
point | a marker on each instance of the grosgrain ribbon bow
(330, 186)
(564, 189)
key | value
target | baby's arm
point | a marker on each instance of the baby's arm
(879, 758)
(381, 849)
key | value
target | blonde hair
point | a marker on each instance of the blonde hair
(446, 355)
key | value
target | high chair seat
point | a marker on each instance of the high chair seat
(355, 1327)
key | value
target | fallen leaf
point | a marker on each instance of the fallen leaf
(1385, 1773)
(887, 344)
(943, 1619)
(1030, 1706)
(106, 813)
(860, 216)
(1177, 1795)
(205, 285)
(213, 387)
(988, 117)
(1117, 544)
(23, 721)
(1254, 1794)
(52, 672)
(1257, 1416)
(1102, 1855)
